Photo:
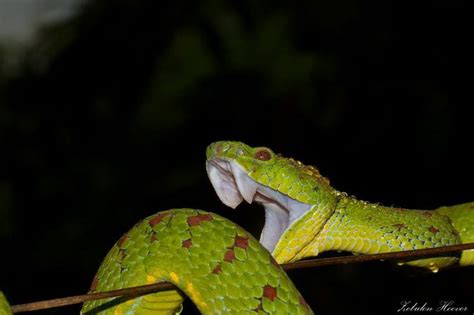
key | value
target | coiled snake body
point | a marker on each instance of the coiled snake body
(224, 270)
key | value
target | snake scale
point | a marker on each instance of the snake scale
(225, 270)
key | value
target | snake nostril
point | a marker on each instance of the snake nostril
(221, 147)
(217, 148)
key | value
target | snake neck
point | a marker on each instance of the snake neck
(302, 232)
(367, 228)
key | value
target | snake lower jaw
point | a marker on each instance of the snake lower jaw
(233, 185)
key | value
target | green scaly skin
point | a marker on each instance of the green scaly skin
(220, 266)
(224, 270)
(338, 222)
(4, 306)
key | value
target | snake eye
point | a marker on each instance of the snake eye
(263, 155)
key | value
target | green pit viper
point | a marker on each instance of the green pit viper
(225, 270)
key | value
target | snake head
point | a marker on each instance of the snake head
(286, 188)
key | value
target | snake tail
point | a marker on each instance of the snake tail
(217, 264)
(4, 305)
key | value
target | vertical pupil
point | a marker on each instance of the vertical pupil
(263, 155)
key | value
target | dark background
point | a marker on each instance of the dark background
(107, 119)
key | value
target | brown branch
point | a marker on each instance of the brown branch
(146, 289)
(76, 299)
(403, 255)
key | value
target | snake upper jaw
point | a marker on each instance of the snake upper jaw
(233, 185)
(222, 179)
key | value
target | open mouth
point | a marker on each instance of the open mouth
(233, 185)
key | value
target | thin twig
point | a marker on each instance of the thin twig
(76, 299)
(407, 254)
(145, 289)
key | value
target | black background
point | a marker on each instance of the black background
(107, 118)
